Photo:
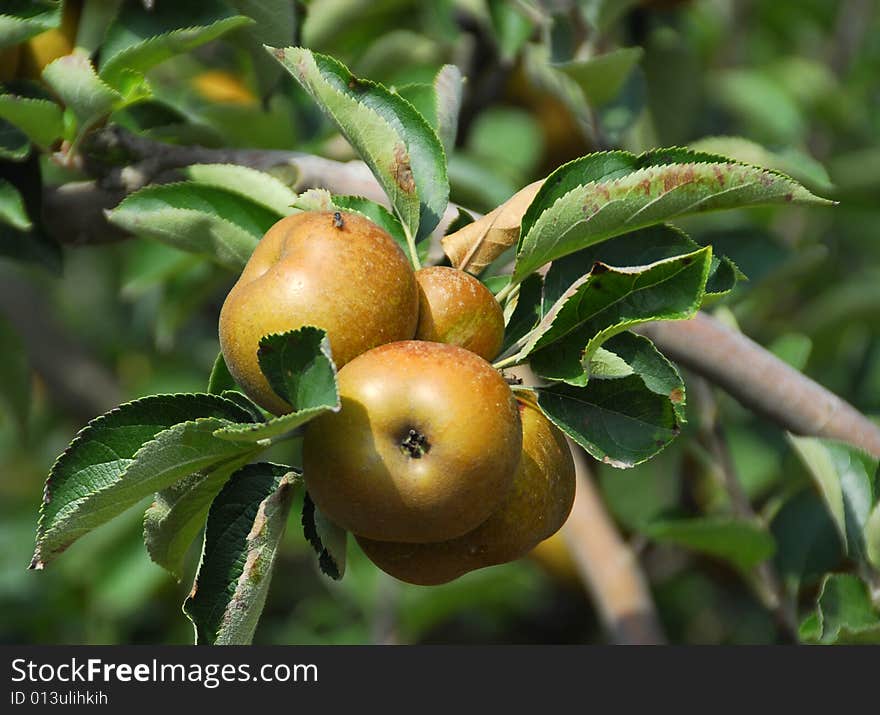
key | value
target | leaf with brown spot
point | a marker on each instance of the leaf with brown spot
(245, 526)
(402, 150)
(607, 194)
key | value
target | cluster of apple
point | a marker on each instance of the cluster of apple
(432, 462)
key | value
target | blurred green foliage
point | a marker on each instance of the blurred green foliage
(797, 77)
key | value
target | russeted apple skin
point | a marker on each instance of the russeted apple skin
(533, 510)
(460, 421)
(346, 276)
(456, 308)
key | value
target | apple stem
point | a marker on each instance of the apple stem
(505, 292)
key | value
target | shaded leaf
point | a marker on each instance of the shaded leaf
(14, 143)
(602, 77)
(744, 544)
(327, 539)
(220, 379)
(607, 301)
(299, 367)
(846, 478)
(274, 24)
(139, 39)
(12, 209)
(639, 248)
(808, 543)
(620, 422)
(245, 525)
(22, 19)
(844, 613)
(39, 119)
(526, 313)
(629, 354)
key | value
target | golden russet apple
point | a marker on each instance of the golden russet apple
(456, 308)
(334, 270)
(536, 507)
(425, 446)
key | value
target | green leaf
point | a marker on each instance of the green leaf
(620, 422)
(808, 543)
(74, 80)
(299, 367)
(603, 195)
(174, 519)
(844, 613)
(744, 544)
(14, 143)
(872, 537)
(603, 14)
(39, 119)
(801, 167)
(512, 28)
(607, 301)
(245, 525)
(545, 77)
(602, 77)
(221, 379)
(139, 39)
(127, 454)
(257, 186)
(846, 478)
(394, 140)
(12, 210)
(629, 354)
(22, 19)
(200, 219)
(447, 105)
(245, 403)
(274, 24)
(526, 313)
(327, 539)
(639, 248)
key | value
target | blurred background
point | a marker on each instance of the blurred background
(790, 84)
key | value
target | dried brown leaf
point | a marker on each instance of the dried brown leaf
(475, 246)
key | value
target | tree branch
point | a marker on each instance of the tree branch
(608, 567)
(761, 381)
(82, 386)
